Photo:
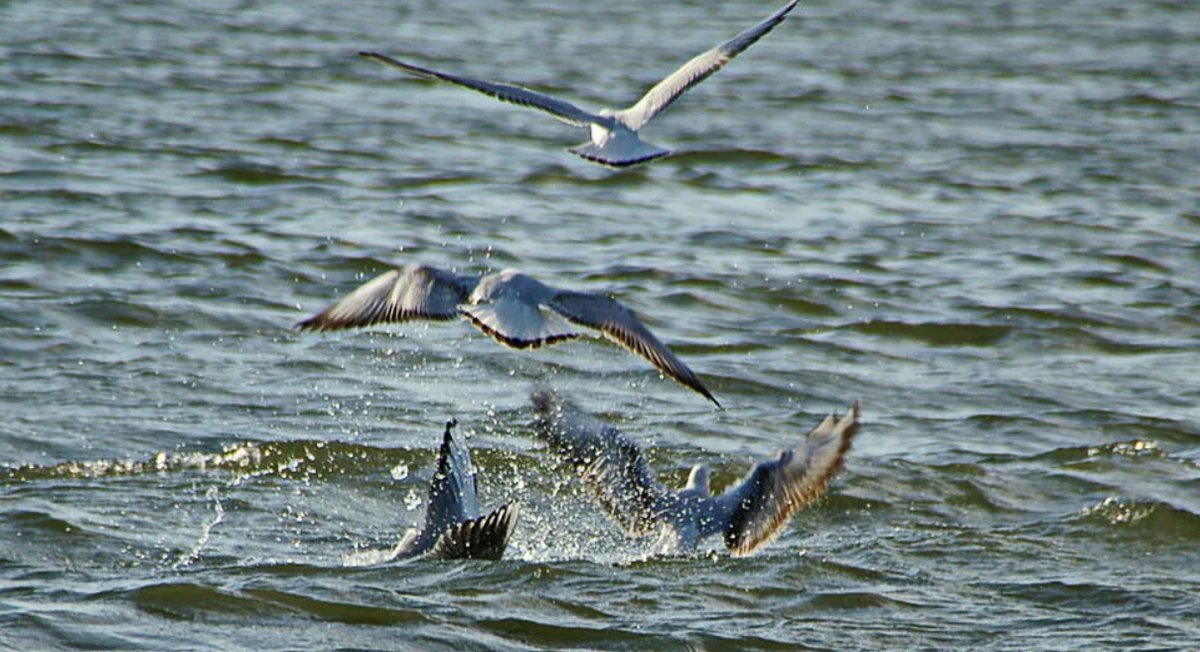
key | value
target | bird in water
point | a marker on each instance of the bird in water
(614, 133)
(453, 527)
(748, 515)
(514, 309)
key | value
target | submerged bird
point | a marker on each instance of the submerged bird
(513, 308)
(453, 527)
(748, 515)
(614, 133)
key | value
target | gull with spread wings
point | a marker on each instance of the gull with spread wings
(748, 515)
(614, 133)
(515, 309)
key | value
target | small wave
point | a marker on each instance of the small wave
(1149, 520)
(252, 173)
(293, 459)
(560, 635)
(431, 181)
(190, 601)
(937, 334)
(851, 600)
(735, 155)
(1069, 455)
(555, 173)
(342, 612)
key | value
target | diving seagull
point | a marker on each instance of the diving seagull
(453, 527)
(514, 309)
(748, 515)
(614, 133)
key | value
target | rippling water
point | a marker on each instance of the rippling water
(981, 218)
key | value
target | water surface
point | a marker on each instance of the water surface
(978, 218)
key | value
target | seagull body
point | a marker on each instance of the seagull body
(747, 515)
(513, 308)
(453, 527)
(614, 133)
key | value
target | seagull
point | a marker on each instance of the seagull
(453, 528)
(614, 133)
(748, 515)
(513, 308)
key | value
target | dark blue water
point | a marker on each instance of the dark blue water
(981, 219)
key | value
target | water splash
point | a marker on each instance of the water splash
(399, 472)
(205, 532)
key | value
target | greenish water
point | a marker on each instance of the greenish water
(980, 218)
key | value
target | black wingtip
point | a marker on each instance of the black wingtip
(444, 451)
(377, 57)
(448, 436)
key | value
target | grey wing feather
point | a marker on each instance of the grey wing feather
(564, 111)
(611, 465)
(619, 324)
(761, 506)
(452, 494)
(658, 98)
(415, 292)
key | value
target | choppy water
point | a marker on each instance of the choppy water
(981, 218)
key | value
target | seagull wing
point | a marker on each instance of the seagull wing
(620, 325)
(564, 111)
(485, 537)
(415, 292)
(658, 98)
(610, 464)
(452, 496)
(762, 504)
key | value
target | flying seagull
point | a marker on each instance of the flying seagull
(515, 309)
(614, 133)
(453, 527)
(748, 515)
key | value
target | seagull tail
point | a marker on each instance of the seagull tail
(479, 538)
(619, 153)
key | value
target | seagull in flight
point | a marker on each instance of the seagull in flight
(516, 310)
(614, 133)
(748, 515)
(453, 527)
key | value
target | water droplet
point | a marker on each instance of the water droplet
(399, 472)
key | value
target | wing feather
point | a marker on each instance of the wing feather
(560, 109)
(415, 292)
(610, 464)
(665, 92)
(452, 494)
(775, 490)
(479, 538)
(620, 325)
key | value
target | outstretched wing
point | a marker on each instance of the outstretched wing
(658, 98)
(762, 504)
(620, 325)
(485, 537)
(415, 292)
(610, 464)
(564, 111)
(452, 496)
